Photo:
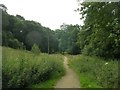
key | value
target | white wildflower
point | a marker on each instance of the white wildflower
(106, 63)
(20, 30)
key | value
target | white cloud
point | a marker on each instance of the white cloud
(50, 13)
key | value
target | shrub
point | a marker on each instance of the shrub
(14, 43)
(35, 49)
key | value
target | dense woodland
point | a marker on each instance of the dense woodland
(99, 36)
(23, 34)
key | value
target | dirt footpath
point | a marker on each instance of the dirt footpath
(70, 80)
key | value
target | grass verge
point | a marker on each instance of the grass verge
(95, 72)
(22, 69)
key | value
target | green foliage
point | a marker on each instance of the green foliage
(20, 17)
(27, 33)
(100, 33)
(95, 72)
(14, 43)
(22, 69)
(35, 49)
(99, 36)
(67, 38)
(5, 20)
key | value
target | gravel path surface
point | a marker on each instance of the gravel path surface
(70, 80)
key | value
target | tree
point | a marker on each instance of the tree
(67, 38)
(17, 29)
(3, 7)
(20, 17)
(100, 34)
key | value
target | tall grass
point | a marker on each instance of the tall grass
(22, 69)
(95, 72)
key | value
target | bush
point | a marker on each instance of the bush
(14, 43)
(35, 49)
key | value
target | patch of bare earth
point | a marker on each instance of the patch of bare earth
(70, 80)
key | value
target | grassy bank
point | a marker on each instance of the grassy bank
(95, 72)
(23, 69)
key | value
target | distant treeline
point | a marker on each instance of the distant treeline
(23, 34)
(99, 36)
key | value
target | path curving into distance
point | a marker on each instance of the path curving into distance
(70, 80)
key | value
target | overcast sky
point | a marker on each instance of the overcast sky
(50, 13)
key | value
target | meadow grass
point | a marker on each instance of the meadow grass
(95, 72)
(24, 69)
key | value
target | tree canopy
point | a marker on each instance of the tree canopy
(100, 34)
(21, 33)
